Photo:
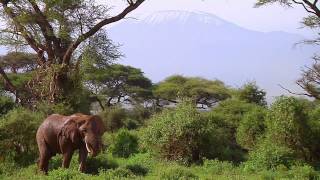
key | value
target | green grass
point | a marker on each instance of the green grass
(144, 166)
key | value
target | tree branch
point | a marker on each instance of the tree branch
(8, 85)
(132, 6)
(25, 34)
(299, 94)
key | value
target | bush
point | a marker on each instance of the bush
(182, 135)
(218, 167)
(251, 128)
(114, 118)
(66, 174)
(231, 111)
(287, 126)
(6, 104)
(304, 172)
(268, 155)
(177, 173)
(124, 144)
(228, 116)
(137, 169)
(101, 162)
(17, 135)
(119, 173)
(251, 93)
(59, 108)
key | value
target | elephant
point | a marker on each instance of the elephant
(59, 134)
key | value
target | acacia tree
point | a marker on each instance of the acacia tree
(54, 30)
(203, 92)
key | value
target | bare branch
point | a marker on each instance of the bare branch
(294, 93)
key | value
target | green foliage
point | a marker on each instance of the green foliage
(251, 93)
(231, 111)
(6, 104)
(58, 108)
(268, 155)
(287, 125)
(65, 174)
(102, 162)
(124, 144)
(201, 91)
(119, 173)
(137, 169)
(218, 167)
(19, 61)
(177, 173)
(287, 136)
(117, 83)
(182, 135)
(17, 135)
(114, 118)
(251, 128)
(303, 172)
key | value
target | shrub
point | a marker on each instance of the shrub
(251, 93)
(59, 108)
(182, 135)
(177, 173)
(137, 169)
(17, 135)
(268, 155)
(228, 116)
(6, 104)
(66, 174)
(304, 172)
(101, 162)
(231, 111)
(251, 128)
(287, 125)
(218, 167)
(119, 173)
(114, 118)
(124, 144)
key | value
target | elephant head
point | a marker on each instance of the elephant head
(86, 128)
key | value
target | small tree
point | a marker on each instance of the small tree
(115, 84)
(287, 124)
(201, 91)
(251, 128)
(251, 93)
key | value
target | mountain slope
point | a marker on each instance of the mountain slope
(201, 44)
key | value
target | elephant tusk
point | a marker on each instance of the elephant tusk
(88, 149)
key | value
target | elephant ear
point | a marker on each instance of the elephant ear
(99, 125)
(70, 130)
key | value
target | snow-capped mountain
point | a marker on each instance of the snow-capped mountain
(182, 17)
(201, 44)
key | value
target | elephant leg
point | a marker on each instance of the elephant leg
(66, 159)
(82, 159)
(43, 162)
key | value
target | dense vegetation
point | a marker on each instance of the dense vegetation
(240, 137)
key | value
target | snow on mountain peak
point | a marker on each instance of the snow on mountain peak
(183, 17)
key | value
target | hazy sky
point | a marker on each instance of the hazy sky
(240, 12)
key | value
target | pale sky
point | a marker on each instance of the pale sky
(240, 12)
